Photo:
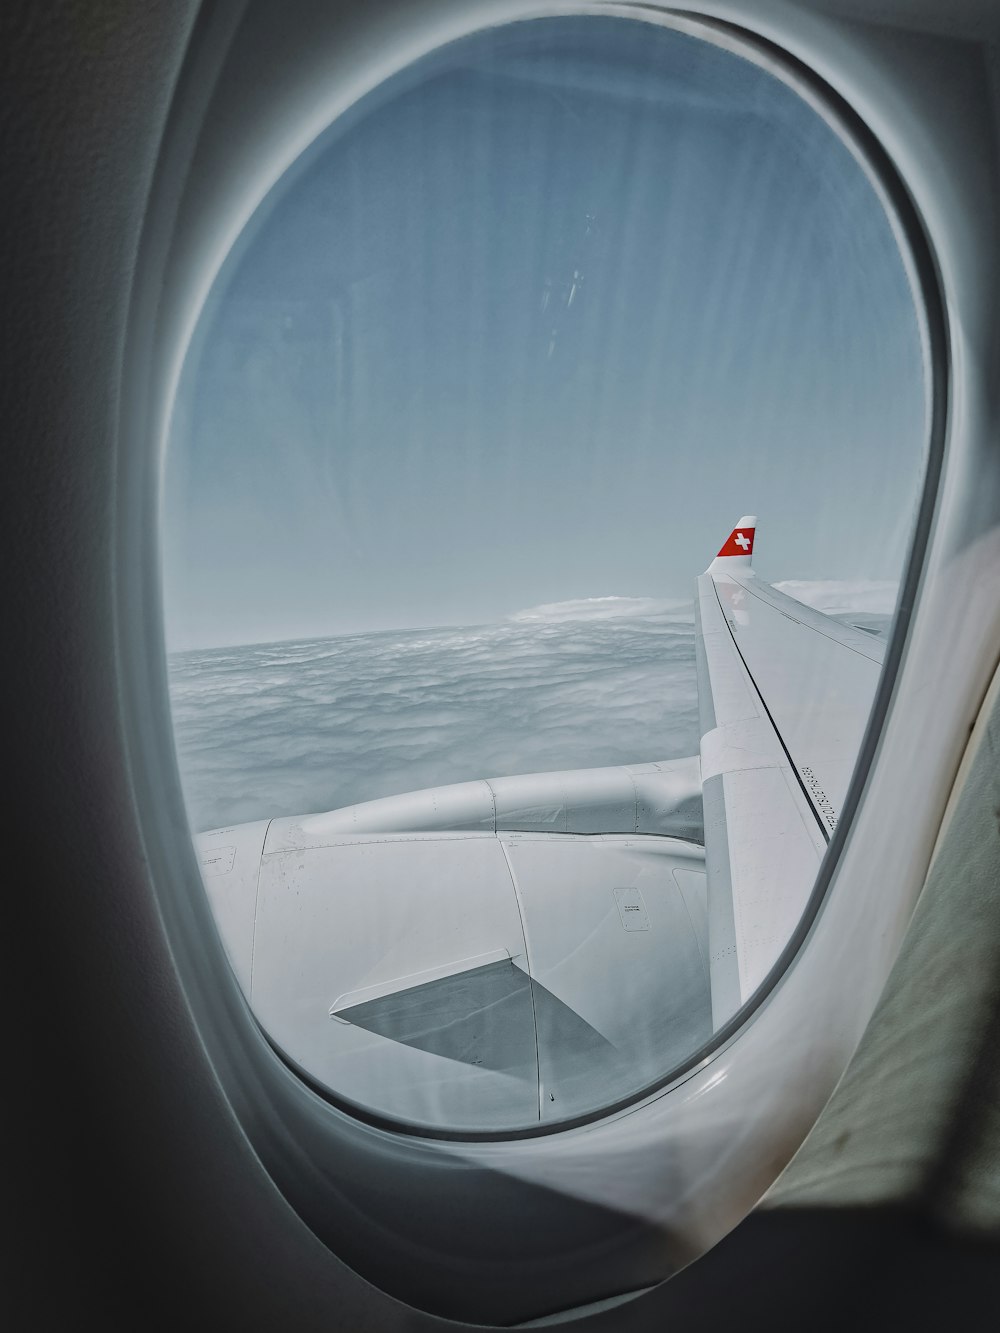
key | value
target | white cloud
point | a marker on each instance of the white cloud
(598, 608)
(289, 728)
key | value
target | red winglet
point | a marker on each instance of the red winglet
(739, 541)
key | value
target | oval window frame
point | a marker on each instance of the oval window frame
(261, 1085)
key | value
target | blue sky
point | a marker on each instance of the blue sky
(538, 322)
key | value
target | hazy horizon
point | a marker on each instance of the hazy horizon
(833, 596)
(313, 724)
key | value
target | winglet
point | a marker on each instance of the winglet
(737, 550)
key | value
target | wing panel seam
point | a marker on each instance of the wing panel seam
(531, 975)
(754, 592)
(781, 741)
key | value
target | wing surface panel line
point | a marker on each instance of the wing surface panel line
(753, 586)
(791, 763)
(531, 973)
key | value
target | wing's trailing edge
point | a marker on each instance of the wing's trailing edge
(784, 698)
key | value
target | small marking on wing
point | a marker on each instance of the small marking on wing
(819, 797)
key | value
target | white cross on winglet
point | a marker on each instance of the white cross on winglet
(743, 541)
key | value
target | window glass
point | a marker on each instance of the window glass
(505, 806)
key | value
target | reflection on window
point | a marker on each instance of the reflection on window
(503, 805)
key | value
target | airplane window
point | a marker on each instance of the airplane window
(541, 475)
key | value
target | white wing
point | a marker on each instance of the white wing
(785, 693)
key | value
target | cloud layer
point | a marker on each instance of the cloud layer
(602, 608)
(290, 728)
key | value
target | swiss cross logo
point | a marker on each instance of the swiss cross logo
(740, 542)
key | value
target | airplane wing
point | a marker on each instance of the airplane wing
(784, 697)
(528, 948)
(481, 955)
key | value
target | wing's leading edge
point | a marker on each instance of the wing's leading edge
(784, 698)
